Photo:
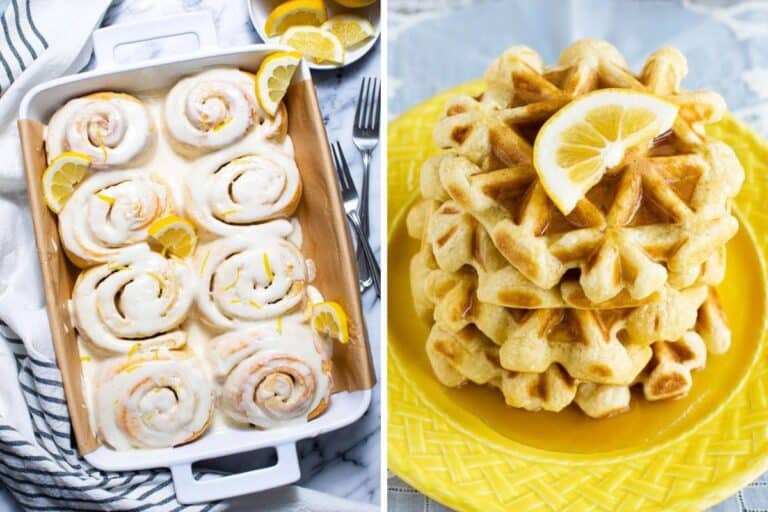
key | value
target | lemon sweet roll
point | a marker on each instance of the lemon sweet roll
(193, 306)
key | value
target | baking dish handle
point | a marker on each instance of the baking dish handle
(106, 40)
(189, 490)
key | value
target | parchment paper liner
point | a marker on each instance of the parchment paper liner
(326, 240)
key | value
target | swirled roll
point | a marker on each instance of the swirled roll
(245, 280)
(248, 190)
(111, 210)
(153, 399)
(216, 108)
(272, 378)
(136, 301)
(112, 128)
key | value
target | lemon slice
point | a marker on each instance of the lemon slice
(350, 29)
(61, 177)
(592, 134)
(294, 13)
(329, 319)
(175, 235)
(315, 43)
(274, 77)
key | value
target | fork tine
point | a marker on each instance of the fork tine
(375, 126)
(345, 168)
(374, 107)
(337, 164)
(359, 108)
(369, 103)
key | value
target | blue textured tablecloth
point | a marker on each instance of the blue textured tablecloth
(437, 44)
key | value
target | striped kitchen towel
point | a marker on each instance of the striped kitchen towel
(39, 463)
(40, 40)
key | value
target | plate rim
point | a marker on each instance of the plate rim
(729, 483)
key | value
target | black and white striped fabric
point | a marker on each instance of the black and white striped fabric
(22, 42)
(39, 462)
(48, 474)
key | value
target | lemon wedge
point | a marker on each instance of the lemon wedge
(592, 134)
(61, 177)
(350, 29)
(329, 319)
(175, 235)
(274, 77)
(294, 13)
(315, 43)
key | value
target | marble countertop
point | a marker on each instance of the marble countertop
(725, 41)
(346, 462)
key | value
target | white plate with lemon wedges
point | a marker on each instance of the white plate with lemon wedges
(329, 33)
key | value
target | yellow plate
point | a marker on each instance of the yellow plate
(464, 448)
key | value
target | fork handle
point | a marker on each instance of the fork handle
(373, 265)
(363, 209)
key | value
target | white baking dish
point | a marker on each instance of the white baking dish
(345, 407)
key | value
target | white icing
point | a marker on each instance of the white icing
(270, 378)
(103, 229)
(139, 298)
(258, 187)
(110, 128)
(110, 210)
(153, 400)
(243, 280)
(215, 108)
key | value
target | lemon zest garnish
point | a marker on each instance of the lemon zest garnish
(157, 278)
(134, 348)
(85, 359)
(149, 417)
(280, 325)
(205, 260)
(131, 368)
(254, 304)
(100, 140)
(106, 198)
(234, 282)
(115, 266)
(268, 267)
(229, 212)
(235, 301)
(222, 124)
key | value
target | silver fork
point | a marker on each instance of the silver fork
(365, 135)
(351, 203)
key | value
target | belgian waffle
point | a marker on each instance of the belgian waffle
(656, 219)
(554, 309)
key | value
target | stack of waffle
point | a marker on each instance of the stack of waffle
(550, 308)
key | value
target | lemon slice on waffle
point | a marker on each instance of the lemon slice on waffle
(315, 43)
(592, 134)
(350, 29)
(274, 77)
(329, 319)
(294, 13)
(61, 177)
(175, 235)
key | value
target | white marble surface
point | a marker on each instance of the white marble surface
(346, 462)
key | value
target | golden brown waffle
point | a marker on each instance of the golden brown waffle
(662, 371)
(555, 309)
(451, 239)
(657, 219)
